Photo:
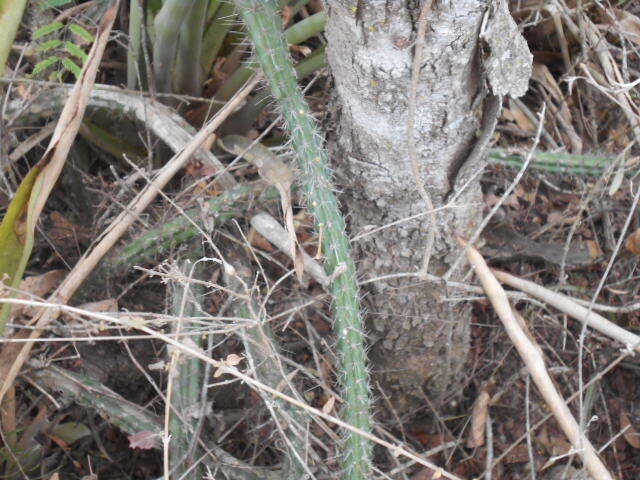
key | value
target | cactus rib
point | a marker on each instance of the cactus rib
(264, 25)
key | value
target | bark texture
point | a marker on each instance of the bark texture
(419, 342)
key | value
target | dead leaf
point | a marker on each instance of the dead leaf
(101, 306)
(315, 6)
(479, 419)
(303, 50)
(427, 474)
(491, 199)
(424, 474)
(144, 440)
(258, 241)
(542, 74)
(63, 230)
(328, 406)
(232, 360)
(518, 454)
(633, 242)
(556, 218)
(594, 249)
(37, 286)
(40, 285)
(555, 442)
(287, 14)
(198, 169)
(630, 434)
(107, 305)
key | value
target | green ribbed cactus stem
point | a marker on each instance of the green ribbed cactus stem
(263, 357)
(179, 230)
(265, 28)
(187, 374)
(297, 33)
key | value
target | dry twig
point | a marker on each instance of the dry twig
(269, 228)
(411, 141)
(532, 356)
(570, 307)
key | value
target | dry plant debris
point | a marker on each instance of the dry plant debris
(558, 232)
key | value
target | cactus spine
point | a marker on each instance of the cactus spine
(264, 25)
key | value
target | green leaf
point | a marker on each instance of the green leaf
(44, 4)
(70, 432)
(81, 32)
(76, 51)
(15, 238)
(10, 16)
(43, 65)
(47, 29)
(72, 67)
(48, 45)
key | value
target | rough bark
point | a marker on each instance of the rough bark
(419, 342)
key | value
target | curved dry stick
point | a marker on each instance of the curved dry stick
(269, 228)
(164, 122)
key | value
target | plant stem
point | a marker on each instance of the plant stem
(178, 230)
(295, 34)
(264, 25)
(555, 162)
(263, 356)
(187, 373)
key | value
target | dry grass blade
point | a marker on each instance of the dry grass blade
(119, 226)
(18, 226)
(570, 307)
(532, 356)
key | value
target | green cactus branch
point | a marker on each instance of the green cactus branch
(263, 356)
(294, 35)
(178, 230)
(264, 26)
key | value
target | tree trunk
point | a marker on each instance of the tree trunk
(419, 342)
